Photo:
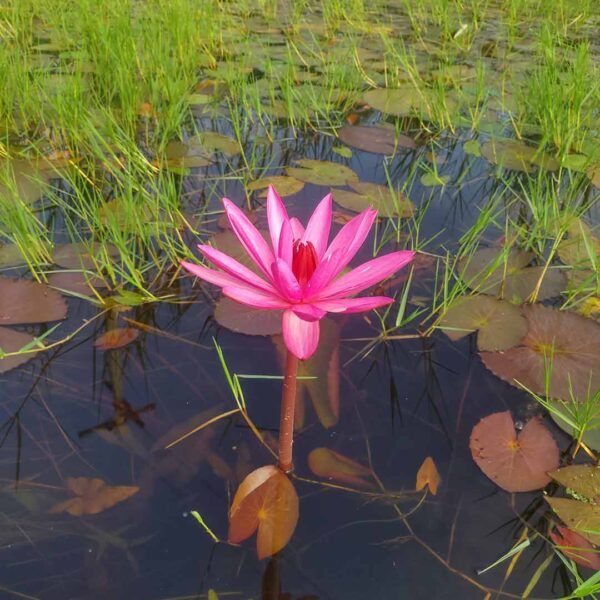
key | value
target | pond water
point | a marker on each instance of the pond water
(116, 410)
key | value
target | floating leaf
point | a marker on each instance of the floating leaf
(387, 202)
(227, 242)
(82, 255)
(471, 147)
(581, 249)
(517, 156)
(245, 319)
(584, 480)
(321, 172)
(213, 141)
(265, 501)
(494, 271)
(76, 282)
(22, 181)
(562, 345)
(563, 413)
(329, 464)
(92, 496)
(285, 186)
(11, 256)
(594, 174)
(116, 338)
(13, 341)
(429, 476)
(433, 179)
(576, 547)
(581, 517)
(23, 302)
(515, 463)
(374, 139)
(500, 325)
(399, 102)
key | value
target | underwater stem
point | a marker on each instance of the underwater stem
(288, 404)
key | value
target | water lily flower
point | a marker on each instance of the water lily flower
(302, 274)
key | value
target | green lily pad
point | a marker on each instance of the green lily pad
(594, 174)
(496, 272)
(500, 325)
(433, 179)
(399, 102)
(13, 341)
(212, 141)
(388, 203)
(584, 480)
(285, 186)
(321, 172)
(472, 147)
(516, 156)
(564, 414)
(22, 180)
(581, 517)
(562, 345)
(374, 139)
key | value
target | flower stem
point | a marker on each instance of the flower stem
(288, 405)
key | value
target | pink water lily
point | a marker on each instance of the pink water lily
(302, 274)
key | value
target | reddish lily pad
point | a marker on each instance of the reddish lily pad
(321, 172)
(374, 139)
(266, 501)
(24, 302)
(496, 272)
(500, 325)
(329, 464)
(576, 547)
(13, 341)
(516, 463)
(565, 345)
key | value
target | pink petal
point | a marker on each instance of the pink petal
(319, 226)
(215, 277)
(308, 312)
(301, 337)
(297, 228)
(367, 274)
(253, 297)
(286, 281)
(342, 250)
(250, 238)
(234, 268)
(276, 216)
(352, 305)
(286, 243)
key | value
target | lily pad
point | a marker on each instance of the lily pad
(433, 179)
(245, 319)
(517, 156)
(22, 180)
(13, 341)
(562, 345)
(581, 249)
(500, 325)
(285, 186)
(398, 102)
(516, 463)
(321, 172)
(496, 272)
(388, 203)
(24, 302)
(374, 139)
(576, 547)
(581, 517)
(564, 414)
(212, 141)
(584, 480)
(76, 283)
(332, 465)
(82, 255)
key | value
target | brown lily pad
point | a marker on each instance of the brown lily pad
(584, 480)
(500, 325)
(581, 517)
(321, 172)
(516, 463)
(244, 319)
(387, 202)
(24, 302)
(13, 341)
(285, 185)
(374, 139)
(563, 345)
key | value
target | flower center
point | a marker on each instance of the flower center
(304, 261)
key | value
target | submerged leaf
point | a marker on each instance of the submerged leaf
(500, 325)
(515, 463)
(429, 476)
(24, 302)
(576, 547)
(13, 341)
(116, 338)
(560, 348)
(321, 172)
(329, 464)
(92, 496)
(265, 501)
